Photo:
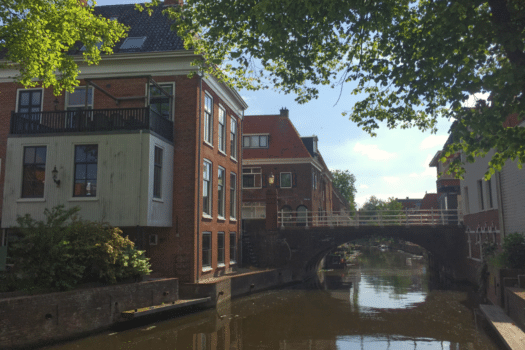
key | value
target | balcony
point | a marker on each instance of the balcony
(91, 120)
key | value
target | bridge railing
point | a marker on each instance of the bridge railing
(419, 217)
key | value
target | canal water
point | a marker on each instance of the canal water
(384, 302)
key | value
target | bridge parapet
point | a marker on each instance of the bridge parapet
(412, 217)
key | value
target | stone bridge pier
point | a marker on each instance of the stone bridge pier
(301, 249)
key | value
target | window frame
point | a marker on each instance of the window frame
(206, 265)
(254, 176)
(250, 137)
(71, 107)
(233, 196)
(33, 164)
(157, 169)
(30, 90)
(171, 100)
(281, 179)
(233, 247)
(221, 256)
(233, 137)
(207, 206)
(85, 179)
(490, 202)
(221, 192)
(208, 119)
(222, 130)
(480, 195)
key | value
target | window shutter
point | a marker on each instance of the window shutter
(263, 179)
(294, 180)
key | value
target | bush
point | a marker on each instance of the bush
(514, 251)
(63, 251)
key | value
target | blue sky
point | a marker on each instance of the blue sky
(393, 164)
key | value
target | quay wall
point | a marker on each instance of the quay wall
(45, 318)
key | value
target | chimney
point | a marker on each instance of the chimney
(284, 112)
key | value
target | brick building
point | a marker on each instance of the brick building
(273, 149)
(138, 145)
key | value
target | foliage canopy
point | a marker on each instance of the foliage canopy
(36, 36)
(344, 181)
(413, 61)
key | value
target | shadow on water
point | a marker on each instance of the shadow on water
(382, 303)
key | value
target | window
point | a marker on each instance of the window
(251, 178)
(77, 99)
(233, 138)
(86, 158)
(480, 195)
(159, 103)
(206, 249)
(157, 173)
(233, 196)
(206, 189)
(220, 192)
(222, 130)
(253, 210)
(30, 102)
(489, 194)
(302, 214)
(286, 180)
(314, 180)
(34, 172)
(208, 119)
(255, 141)
(133, 42)
(233, 247)
(220, 248)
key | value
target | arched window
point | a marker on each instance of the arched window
(301, 215)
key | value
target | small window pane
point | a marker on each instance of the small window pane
(35, 99)
(24, 98)
(254, 141)
(29, 156)
(263, 141)
(246, 141)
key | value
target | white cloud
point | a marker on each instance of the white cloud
(373, 152)
(472, 99)
(433, 141)
(363, 186)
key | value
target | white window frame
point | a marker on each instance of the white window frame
(466, 200)
(221, 250)
(481, 200)
(250, 138)
(208, 120)
(254, 174)
(206, 266)
(222, 130)
(281, 180)
(233, 196)
(207, 211)
(233, 137)
(161, 170)
(221, 202)
(172, 99)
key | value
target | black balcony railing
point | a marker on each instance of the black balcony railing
(87, 120)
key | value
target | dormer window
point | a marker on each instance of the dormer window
(255, 141)
(133, 42)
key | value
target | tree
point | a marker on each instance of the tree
(37, 35)
(413, 61)
(344, 181)
(374, 203)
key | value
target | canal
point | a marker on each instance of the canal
(382, 302)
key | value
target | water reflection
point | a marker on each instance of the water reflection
(384, 303)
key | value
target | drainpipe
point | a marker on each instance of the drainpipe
(140, 192)
(199, 181)
(501, 217)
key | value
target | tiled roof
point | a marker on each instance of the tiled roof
(156, 28)
(284, 140)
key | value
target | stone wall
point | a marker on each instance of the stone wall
(39, 319)
(515, 298)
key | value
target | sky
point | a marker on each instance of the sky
(393, 164)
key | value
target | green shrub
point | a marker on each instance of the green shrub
(514, 250)
(63, 251)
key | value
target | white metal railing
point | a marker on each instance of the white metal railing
(410, 217)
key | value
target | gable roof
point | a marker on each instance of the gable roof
(283, 142)
(156, 28)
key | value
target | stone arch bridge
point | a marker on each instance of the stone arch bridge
(302, 248)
